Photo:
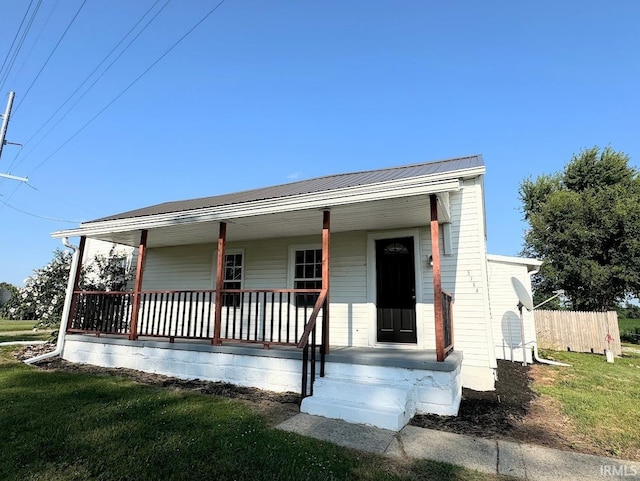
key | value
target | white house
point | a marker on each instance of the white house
(368, 292)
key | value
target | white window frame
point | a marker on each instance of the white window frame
(232, 251)
(291, 274)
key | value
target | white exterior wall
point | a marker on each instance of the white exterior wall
(505, 318)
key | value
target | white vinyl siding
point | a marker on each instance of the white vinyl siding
(505, 318)
(180, 267)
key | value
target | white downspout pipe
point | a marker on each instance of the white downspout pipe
(75, 261)
(536, 356)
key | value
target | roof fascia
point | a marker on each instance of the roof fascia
(527, 261)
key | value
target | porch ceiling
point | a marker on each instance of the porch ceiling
(375, 215)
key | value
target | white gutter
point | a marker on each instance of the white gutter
(349, 195)
(75, 261)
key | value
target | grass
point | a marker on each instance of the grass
(11, 330)
(11, 325)
(600, 398)
(628, 324)
(74, 426)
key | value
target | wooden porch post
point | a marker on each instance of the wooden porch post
(326, 257)
(76, 282)
(137, 287)
(437, 279)
(222, 241)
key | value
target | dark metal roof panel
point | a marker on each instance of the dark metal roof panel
(319, 184)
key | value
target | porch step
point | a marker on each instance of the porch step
(387, 406)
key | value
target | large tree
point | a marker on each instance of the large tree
(584, 223)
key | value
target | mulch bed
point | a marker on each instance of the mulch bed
(489, 414)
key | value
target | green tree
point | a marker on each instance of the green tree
(42, 297)
(584, 223)
(10, 308)
(44, 290)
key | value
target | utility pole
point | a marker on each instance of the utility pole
(3, 134)
(5, 122)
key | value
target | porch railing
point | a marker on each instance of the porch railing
(269, 317)
(447, 321)
(101, 312)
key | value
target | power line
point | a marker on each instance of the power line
(197, 24)
(20, 43)
(51, 54)
(53, 219)
(56, 111)
(15, 37)
(37, 39)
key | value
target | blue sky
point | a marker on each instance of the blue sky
(264, 93)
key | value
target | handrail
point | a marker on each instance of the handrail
(304, 339)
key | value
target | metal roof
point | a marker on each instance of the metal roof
(319, 184)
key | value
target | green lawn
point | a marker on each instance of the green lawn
(21, 331)
(629, 326)
(602, 399)
(72, 426)
(11, 325)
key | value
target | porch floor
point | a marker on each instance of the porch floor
(419, 359)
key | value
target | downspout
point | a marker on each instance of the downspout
(75, 260)
(536, 356)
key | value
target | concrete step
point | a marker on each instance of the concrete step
(387, 406)
(370, 392)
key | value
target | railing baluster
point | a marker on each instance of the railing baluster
(190, 305)
(289, 297)
(181, 299)
(280, 294)
(202, 311)
(273, 302)
(257, 316)
(240, 324)
(209, 306)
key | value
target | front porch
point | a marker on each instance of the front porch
(291, 317)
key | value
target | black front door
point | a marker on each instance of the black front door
(396, 290)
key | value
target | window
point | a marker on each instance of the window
(232, 279)
(307, 274)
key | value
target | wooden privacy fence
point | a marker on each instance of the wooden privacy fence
(578, 331)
